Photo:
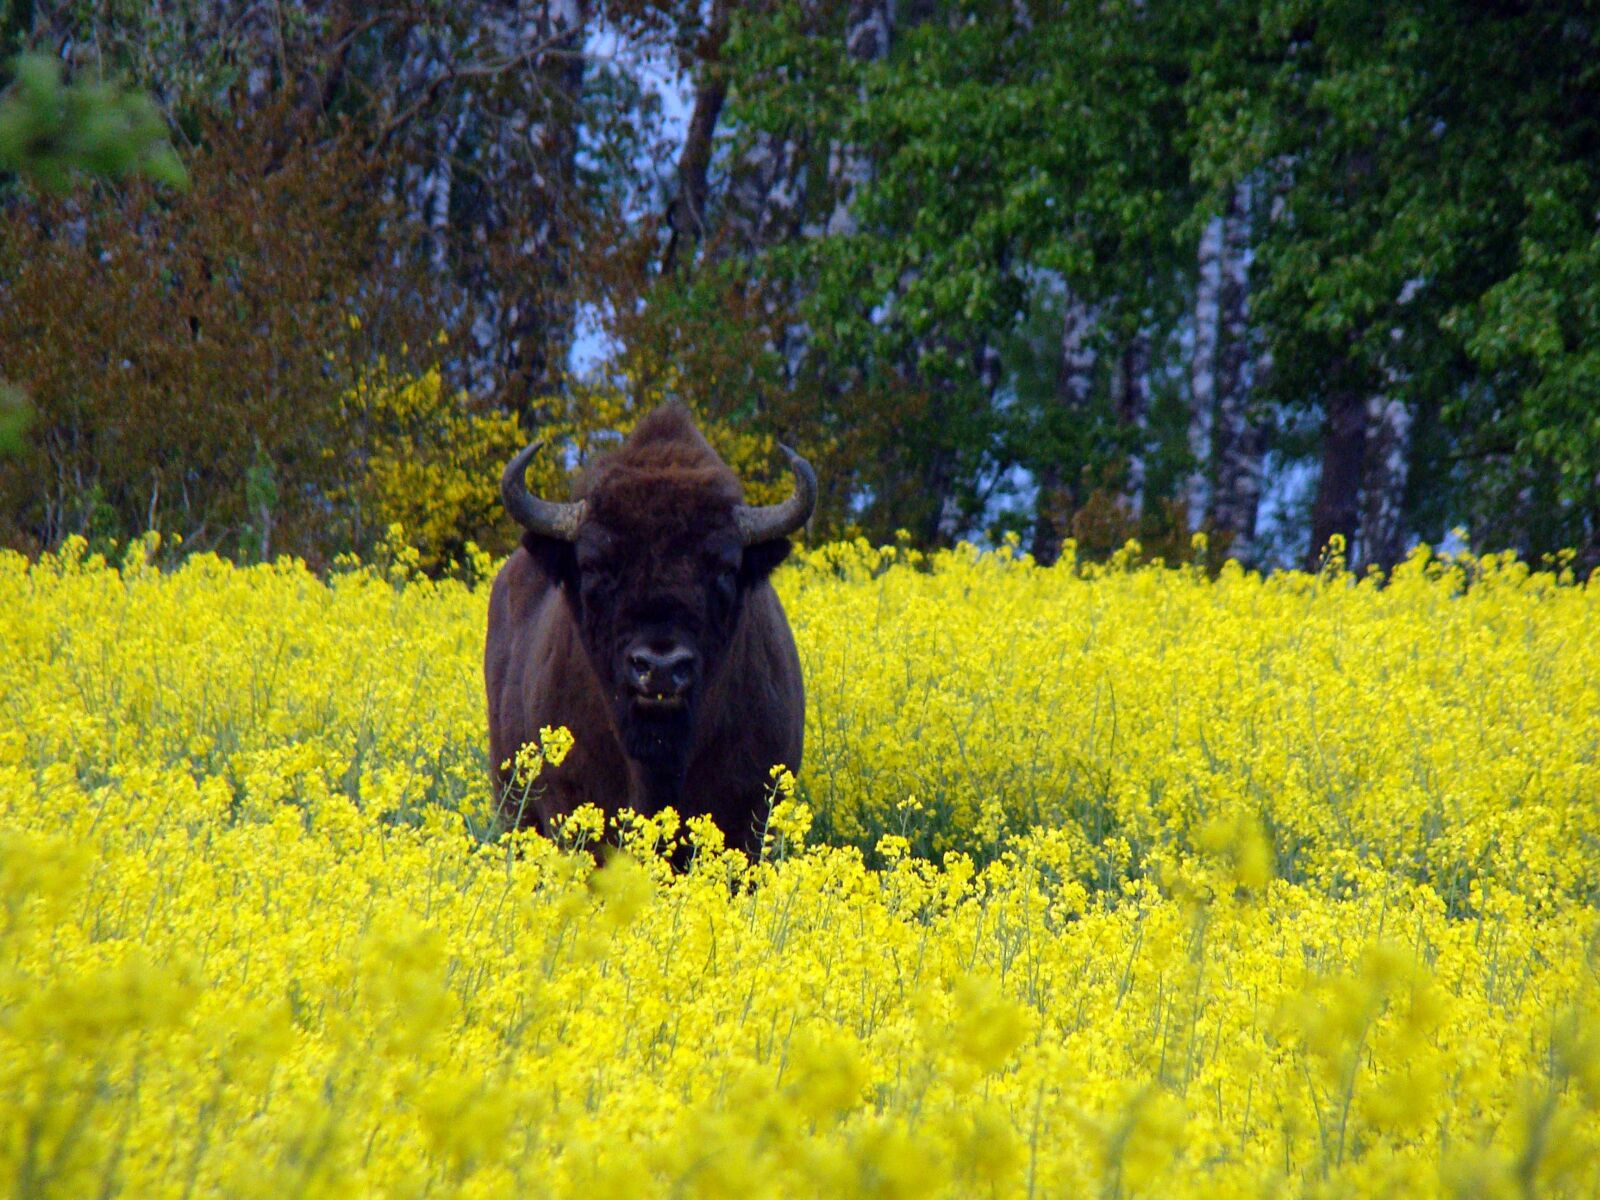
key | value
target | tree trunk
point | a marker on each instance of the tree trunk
(866, 39)
(1337, 505)
(539, 315)
(1058, 498)
(1045, 545)
(1588, 557)
(773, 197)
(1133, 404)
(1238, 441)
(1383, 484)
(434, 190)
(686, 216)
(1203, 371)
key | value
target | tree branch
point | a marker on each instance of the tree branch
(548, 48)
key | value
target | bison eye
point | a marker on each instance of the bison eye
(727, 585)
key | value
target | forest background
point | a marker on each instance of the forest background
(1274, 270)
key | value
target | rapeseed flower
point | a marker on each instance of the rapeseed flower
(1118, 881)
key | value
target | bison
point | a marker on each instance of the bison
(640, 616)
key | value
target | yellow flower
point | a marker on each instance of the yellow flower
(556, 743)
(1242, 845)
(826, 1074)
(624, 887)
(258, 938)
(988, 1025)
(465, 1118)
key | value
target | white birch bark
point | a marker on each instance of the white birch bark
(763, 199)
(771, 198)
(1202, 371)
(866, 39)
(1133, 404)
(1058, 497)
(1077, 352)
(532, 126)
(1238, 441)
(1384, 474)
(433, 190)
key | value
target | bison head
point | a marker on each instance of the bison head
(656, 557)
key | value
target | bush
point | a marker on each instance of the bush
(187, 355)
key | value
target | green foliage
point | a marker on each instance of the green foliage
(902, 206)
(1432, 183)
(1536, 335)
(998, 153)
(52, 131)
(1424, 194)
(15, 414)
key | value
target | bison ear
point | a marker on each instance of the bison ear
(761, 559)
(556, 558)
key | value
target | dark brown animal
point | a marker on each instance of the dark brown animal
(640, 617)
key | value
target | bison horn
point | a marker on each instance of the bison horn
(544, 517)
(770, 521)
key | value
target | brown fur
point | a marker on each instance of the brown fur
(658, 530)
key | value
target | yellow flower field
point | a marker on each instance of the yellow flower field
(1111, 882)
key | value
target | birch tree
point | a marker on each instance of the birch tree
(1383, 480)
(1238, 439)
(1133, 414)
(1203, 370)
(1060, 490)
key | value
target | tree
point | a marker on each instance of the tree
(53, 133)
(1075, 271)
(978, 188)
(179, 347)
(1410, 151)
(1239, 438)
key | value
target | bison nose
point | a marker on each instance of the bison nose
(658, 672)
